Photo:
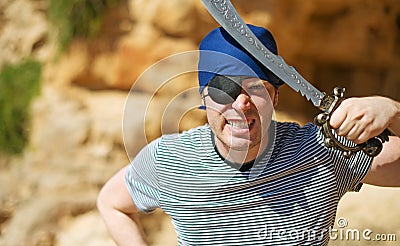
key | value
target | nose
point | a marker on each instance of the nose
(242, 102)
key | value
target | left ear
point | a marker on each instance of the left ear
(275, 98)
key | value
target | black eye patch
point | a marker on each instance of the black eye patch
(224, 90)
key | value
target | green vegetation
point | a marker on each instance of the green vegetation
(18, 85)
(77, 18)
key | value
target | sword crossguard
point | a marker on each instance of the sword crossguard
(372, 147)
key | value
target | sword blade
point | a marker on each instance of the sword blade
(226, 15)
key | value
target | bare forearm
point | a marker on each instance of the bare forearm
(359, 119)
(394, 125)
(118, 211)
(124, 229)
(385, 169)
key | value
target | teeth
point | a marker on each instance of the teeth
(240, 124)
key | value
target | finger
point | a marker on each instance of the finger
(345, 127)
(367, 133)
(338, 117)
(355, 133)
(362, 138)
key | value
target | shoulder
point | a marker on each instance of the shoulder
(294, 130)
(193, 135)
(291, 137)
(197, 139)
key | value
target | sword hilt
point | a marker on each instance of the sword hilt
(371, 147)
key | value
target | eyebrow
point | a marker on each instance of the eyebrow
(256, 82)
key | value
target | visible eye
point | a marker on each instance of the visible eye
(256, 87)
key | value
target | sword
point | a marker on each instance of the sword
(226, 15)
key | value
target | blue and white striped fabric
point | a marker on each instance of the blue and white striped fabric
(289, 197)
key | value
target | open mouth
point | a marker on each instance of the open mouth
(241, 124)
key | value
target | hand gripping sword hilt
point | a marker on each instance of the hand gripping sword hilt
(372, 147)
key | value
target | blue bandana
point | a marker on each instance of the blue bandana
(221, 54)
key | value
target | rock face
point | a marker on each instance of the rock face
(86, 124)
(23, 31)
(348, 43)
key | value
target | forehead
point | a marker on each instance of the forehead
(251, 81)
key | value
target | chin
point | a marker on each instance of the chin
(242, 144)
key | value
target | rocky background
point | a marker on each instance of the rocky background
(85, 127)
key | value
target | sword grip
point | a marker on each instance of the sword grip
(371, 147)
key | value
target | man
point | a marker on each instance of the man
(244, 179)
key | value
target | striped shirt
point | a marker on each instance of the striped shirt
(288, 197)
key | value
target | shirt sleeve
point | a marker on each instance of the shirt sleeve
(141, 179)
(349, 172)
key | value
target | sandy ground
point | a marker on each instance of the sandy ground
(373, 211)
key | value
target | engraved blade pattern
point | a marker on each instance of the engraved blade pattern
(226, 15)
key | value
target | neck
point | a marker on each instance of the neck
(241, 156)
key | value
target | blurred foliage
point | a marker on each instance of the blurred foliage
(77, 18)
(18, 85)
